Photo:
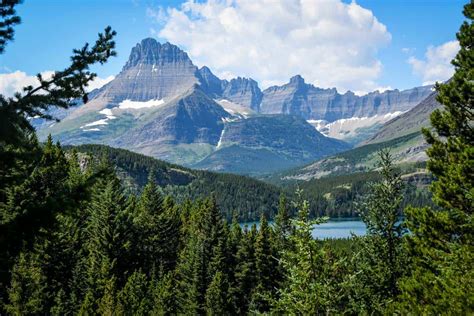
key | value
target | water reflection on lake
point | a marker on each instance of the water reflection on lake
(334, 228)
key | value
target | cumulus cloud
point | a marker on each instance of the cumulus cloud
(328, 42)
(13, 82)
(436, 66)
(99, 82)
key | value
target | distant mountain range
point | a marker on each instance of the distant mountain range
(162, 105)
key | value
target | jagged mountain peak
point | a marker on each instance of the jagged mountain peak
(297, 80)
(150, 51)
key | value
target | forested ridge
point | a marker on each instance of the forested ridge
(73, 241)
(241, 196)
(236, 195)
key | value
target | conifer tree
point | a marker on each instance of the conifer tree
(164, 295)
(304, 291)
(265, 268)
(441, 242)
(202, 257)
(244, 274)
(27, 291)
(107, 304)
(381, 262)
(134, 297)
(108, 239)
(283, 226)
(217, 296)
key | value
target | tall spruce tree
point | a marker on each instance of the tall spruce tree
(441, 242)
(304, 291)
(27, 291)
(265, 268)
(381, 262)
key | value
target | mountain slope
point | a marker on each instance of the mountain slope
(405, 150)
(408, 122)
(191, 119)
(162, 105)
(263, 144)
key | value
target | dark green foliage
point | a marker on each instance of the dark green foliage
(381, 262)
(442, 241)
(73, 242)
(217, 295)
(26, 293)
(35, 184)
(8, 20)
(246, 197)
(311, 285)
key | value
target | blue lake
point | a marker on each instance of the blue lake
(334, 228)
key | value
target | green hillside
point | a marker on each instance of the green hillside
(407, 150)
(245, 196)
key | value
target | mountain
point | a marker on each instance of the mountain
(192, 119)
(408, 122)
(243, 91)
(246, 197)
(312, 103)
(162, 105)
(262, 144)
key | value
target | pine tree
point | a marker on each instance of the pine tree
(441, 242)
(305, 291)
(265, 268)
(244, 273)
(381, 262)
(217, 297)
(134, 297)
(108, 240)
(203, 256)
(283, 225)
(164, 295)
(107, 304)
(27, 291)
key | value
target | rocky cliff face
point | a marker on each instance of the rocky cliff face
(191, 118)
(312, 103)
(409, 122)
(243, 91)
(153, 71)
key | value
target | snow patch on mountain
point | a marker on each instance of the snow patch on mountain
(98, 122)
(129, 104)
(348, 128)
(235, 108)
(108, 113)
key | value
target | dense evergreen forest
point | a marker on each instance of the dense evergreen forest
(72, 241)
(236, 195)
(244, 197)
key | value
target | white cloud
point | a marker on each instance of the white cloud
(328, 42)
(13, 82)
(436, 66)
(99, 82)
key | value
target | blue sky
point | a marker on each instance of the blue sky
(395, 57)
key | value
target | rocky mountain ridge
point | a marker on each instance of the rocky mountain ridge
(162, 105)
